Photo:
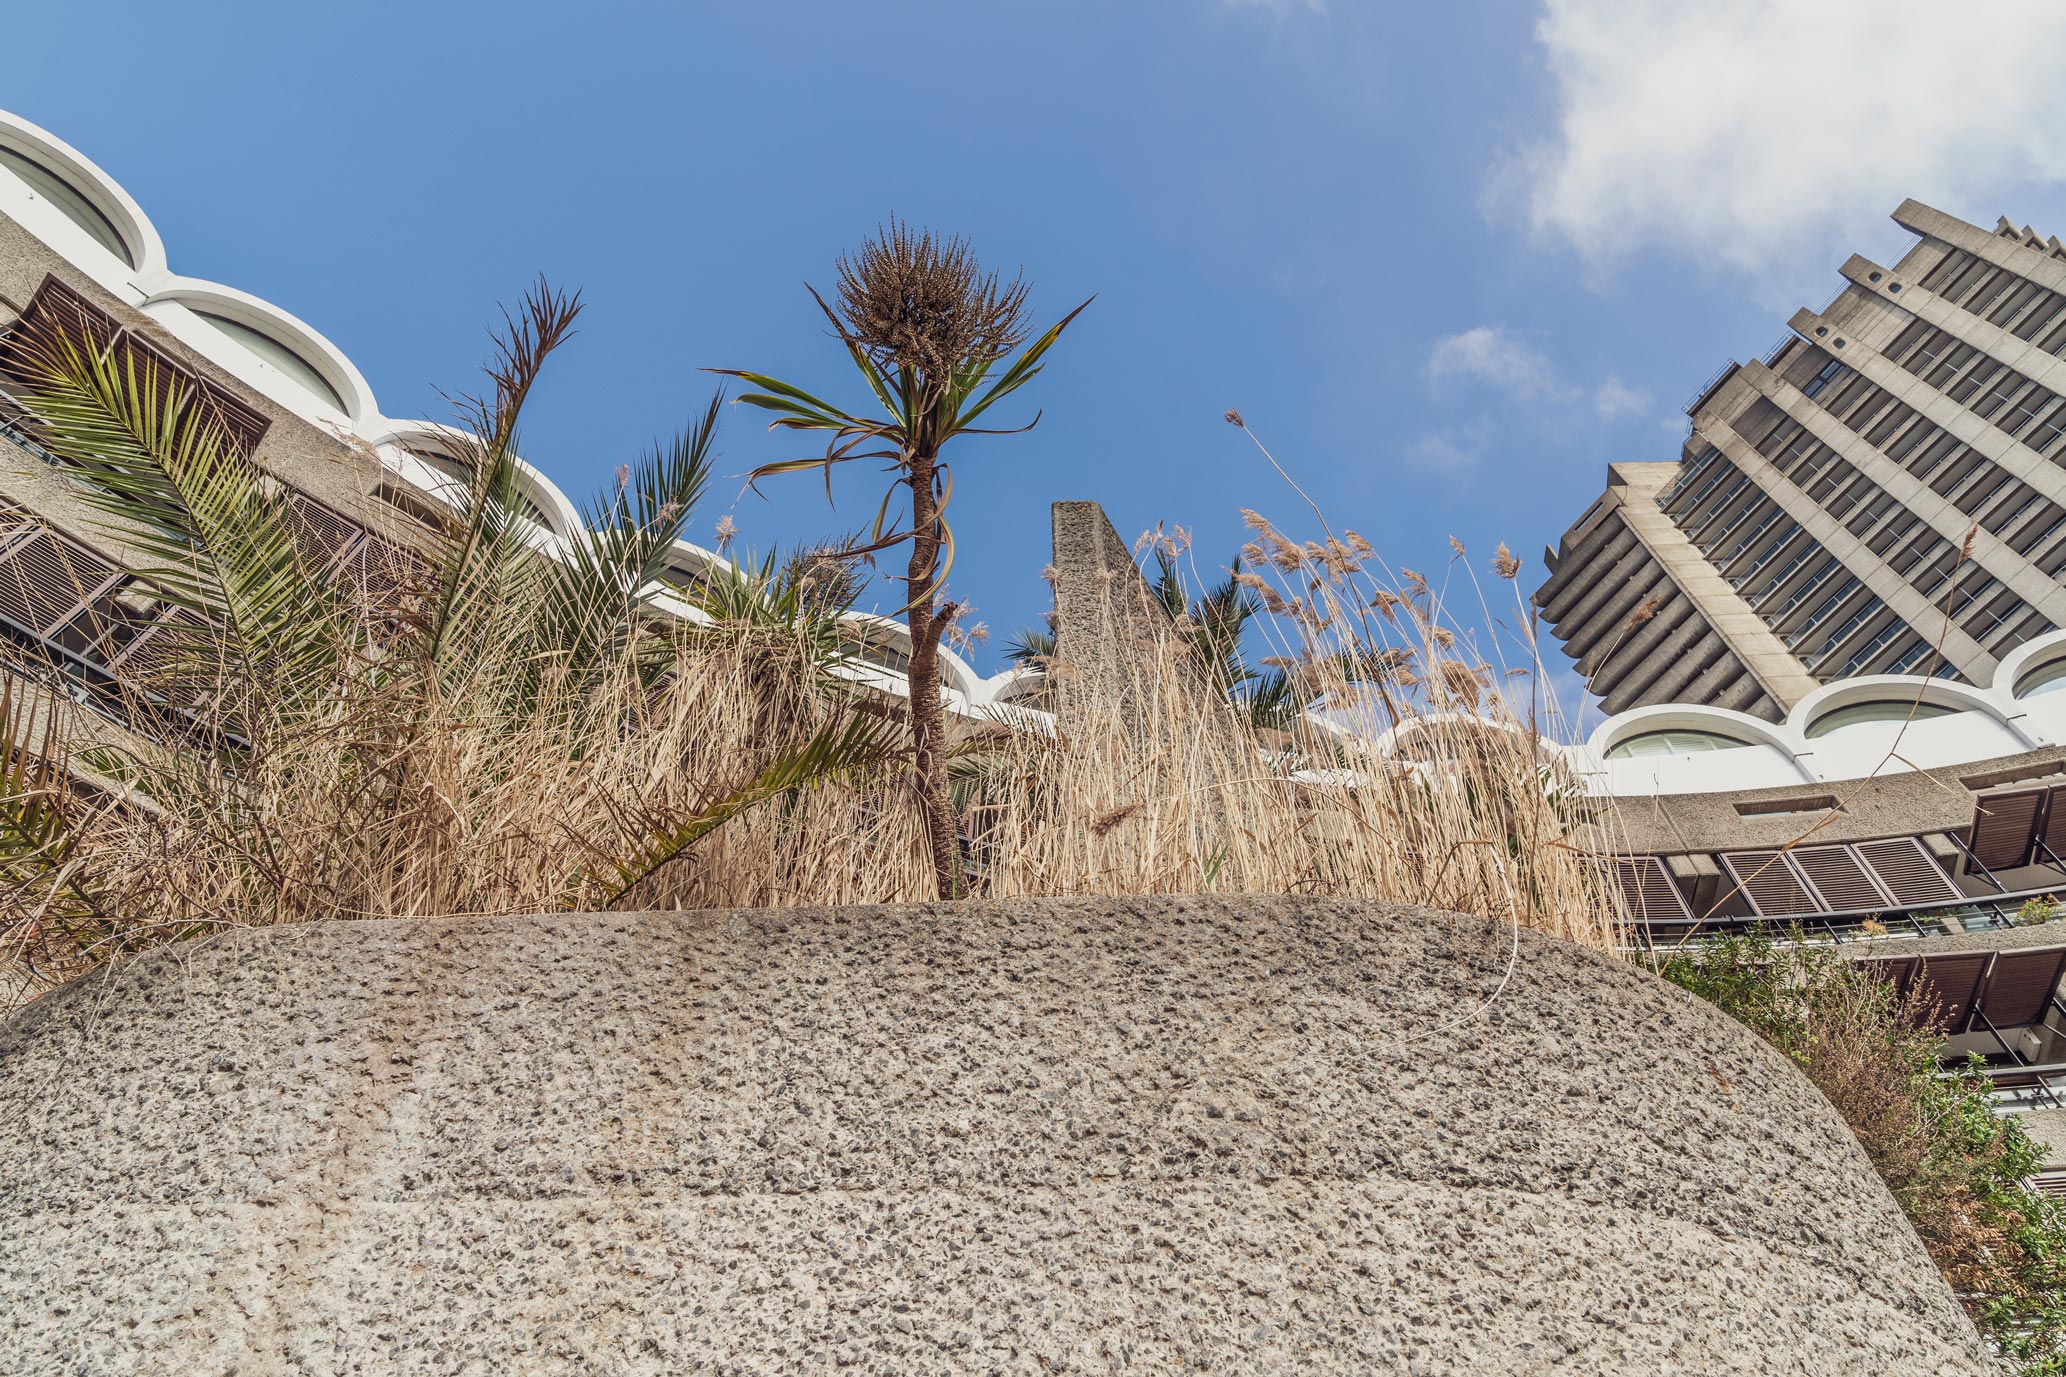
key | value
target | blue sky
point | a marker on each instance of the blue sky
(1450, 261)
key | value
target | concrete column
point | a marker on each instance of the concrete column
(2046, 370)
(1855, 555)
(1990, 551)
(1774, 667)
(2018, 257)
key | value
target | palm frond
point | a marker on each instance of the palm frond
(594, 599)
(837, 753)
(219, 536)
(487, 561)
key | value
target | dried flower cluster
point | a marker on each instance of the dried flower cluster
(913, 300)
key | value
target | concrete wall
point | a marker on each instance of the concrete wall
(1235, 1135)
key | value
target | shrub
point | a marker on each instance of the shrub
(2041, 909)
(499, 729)
(1959, 1171)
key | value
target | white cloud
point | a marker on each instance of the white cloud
(1452, 451)
(1495, 355)
(1765, 134)
(1614, 399)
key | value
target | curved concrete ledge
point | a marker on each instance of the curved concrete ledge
(1229, 1135)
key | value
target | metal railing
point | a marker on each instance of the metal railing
(1937, 918)
(1708, 386)
(2020, 1089)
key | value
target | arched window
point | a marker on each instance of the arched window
(1672, 741)
(296, 368)
(69, 200)
(456, 469)
(2046, 678)
(1879, 710)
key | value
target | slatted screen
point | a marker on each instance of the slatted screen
(1769, 881)
(2019, 988)
(1648, 889)
(1908, 871)
(1840, 879)
(2053, 829)
(1896, 971)
(59, 313)
(387, 572)
(2003, 825)
(1945, 986)
(45, 579)
(170, 660)
(327, 537)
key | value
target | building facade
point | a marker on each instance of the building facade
(80, 258)
(1883, 493)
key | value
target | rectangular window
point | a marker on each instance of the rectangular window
(1977, 378)
(2029, 409)
(2004, 389)
(2044, 436)
(1989, 293)
(1947, 269)
(1829, 374)
(2040, 317)
(1948, 367)
(1901, 446)
(2015, 303)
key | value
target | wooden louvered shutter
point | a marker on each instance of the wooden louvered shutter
(327, 538)
(1909, 872)
(2053, 833)
(1944, 987)
(390, 575)
(1896, 971)
(1769, 881)
(45, 579)
(1842, 883)
(56, 313)
(172, 659)
(2003, 825)
(241, 427)
(2019, 989)
(1648, 889)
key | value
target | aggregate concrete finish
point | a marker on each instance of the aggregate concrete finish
(1225, 1135)
(1108, 623)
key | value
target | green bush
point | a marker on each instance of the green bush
(1958, 1170)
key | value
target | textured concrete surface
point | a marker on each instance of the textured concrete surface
(1108, 625)
(1235, 1135)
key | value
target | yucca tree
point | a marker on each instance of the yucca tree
(928, 329)
(287, 680)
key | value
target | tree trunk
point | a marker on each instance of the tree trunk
(928, 713)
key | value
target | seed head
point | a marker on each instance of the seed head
(913, 300)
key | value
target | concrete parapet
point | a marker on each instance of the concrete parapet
(1229, 1135)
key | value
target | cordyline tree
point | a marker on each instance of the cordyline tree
(928, 329)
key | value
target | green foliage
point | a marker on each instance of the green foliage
(1958, 1170)
(340, 744)
(2040, 909)
(920, 416)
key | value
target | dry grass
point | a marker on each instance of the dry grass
(385, 801)
(1165, 786)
